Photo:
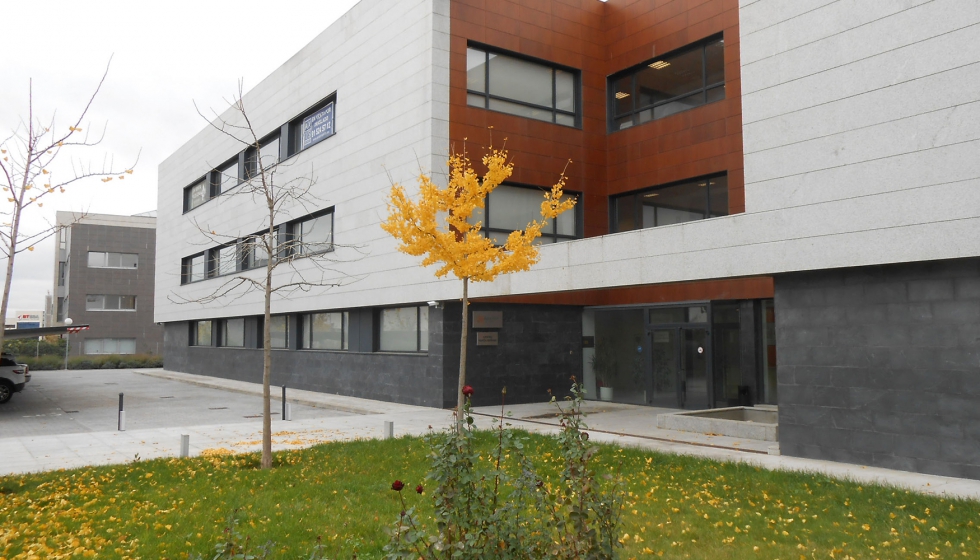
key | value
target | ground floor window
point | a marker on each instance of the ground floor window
(326, 331)
(109, 346)
(233, 332)
(279, 327)
(404, 329)
(200, 333)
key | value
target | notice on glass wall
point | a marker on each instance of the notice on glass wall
(317, 126)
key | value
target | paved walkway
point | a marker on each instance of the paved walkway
(622, 425)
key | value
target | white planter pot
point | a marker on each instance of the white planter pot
(605, 393)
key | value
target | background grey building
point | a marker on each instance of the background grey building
(103, 277)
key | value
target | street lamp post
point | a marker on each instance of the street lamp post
(68, 322)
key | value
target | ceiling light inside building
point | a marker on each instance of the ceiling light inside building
(659, 65)
(651, 195)
(622, 95)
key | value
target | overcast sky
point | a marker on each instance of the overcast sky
(164, 57)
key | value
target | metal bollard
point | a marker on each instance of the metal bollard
(121, 426)
(288, 415)
(389, 431)
(185, 445)
(283, 402)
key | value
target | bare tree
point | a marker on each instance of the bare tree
(308, 256)
(28, 156)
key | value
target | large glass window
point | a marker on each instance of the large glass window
(100, 259)
(224, 260)
(313, 126)
(521, 87)
(509, 208)
(313, 234)
(404, 329)
(200, 333)
(193, 268)
(268, 154)
(109, 302)
(325, 331)
(696, 199)
(109, 346)
(279, 327)
(670, 84)
(256, 253)
(227, 177)
(196, 194)
(233, 332)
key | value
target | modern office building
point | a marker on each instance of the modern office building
(778, 202)
(103, 277)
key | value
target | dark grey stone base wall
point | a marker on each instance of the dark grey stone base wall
(539, 348)
(881, 366)
(385, 376)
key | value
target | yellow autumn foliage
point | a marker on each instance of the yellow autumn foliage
(439, 226)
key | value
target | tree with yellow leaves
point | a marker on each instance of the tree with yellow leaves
(28, 154)
(440, 227)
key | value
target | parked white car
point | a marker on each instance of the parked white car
(13, 377)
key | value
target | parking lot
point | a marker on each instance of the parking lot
(82, 401)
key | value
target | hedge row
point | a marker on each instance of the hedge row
(112, 361)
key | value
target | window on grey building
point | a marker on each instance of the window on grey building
(325, 331)
(233, 333)
(193, 268)
(404, 329)
(100, 259)
(109, 302)
(521, 86)
(62, 268)
(681, 80)
(314, 125)
(311, 234)
(109, 346)
(200, 333)
(279, 329)
(690, 200)
(510, 207)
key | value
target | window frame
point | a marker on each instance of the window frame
(87, 341)
(252, 155)
(103, 308)
(294, 140)
(576, 113)
(105, 260)
(213, 268)
(195, 331)
(306, 331)
(379, 316)
(286, 331)
(638, 195)
(223, 332)
(635, 70)
(247, 248)
(187, 266)
(293, 246)
(555, 237)
(208, 194)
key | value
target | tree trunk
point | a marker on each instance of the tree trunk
(460, 399)
(267, 376)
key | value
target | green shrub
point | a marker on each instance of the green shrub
(42, 363)
(113, 361)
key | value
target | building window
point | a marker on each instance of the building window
(223, 260)
(404, 329)
(98, 259)
(102, 302)
(109, 346)
(62, 269)
(233, 333)
(197, 194)
(256, 249)
(509, 208)
(200, 333)
(279, 329)
(193, 268)
(311, 127)
(312, 234)
(325, 331)
(687, 201)
(226, 177)
(687, 78)
(521, 87)
(268, 154)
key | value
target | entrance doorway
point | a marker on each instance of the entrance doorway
(680, 367)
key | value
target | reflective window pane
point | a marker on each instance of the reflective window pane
(113, 260)
(127, 302)
(279, 328)
(718, 196)
(202, 334)
(513, 208)
(564, 90)
(125, 345)
(678, 105)
(679, 203)
(316, 235)
(96, 259)
(197, 195)
(128, 260)
(565, 222)
(94, 303)
(714, 54)
(228, 177)
(476, 70)
(716, 94)
(324, 331)
(667, 315)
(626, 213)
(269, 152)
(197, 268)
(226, 260)
(567, 120)
(622, 91)
(399, 329)
(521, 110)
(520, 80)
(476, 100)
(664, 79)
(233, 333)
(424, 328)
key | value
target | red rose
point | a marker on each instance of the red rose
(397, 485)
(467, 391)
(419, 489)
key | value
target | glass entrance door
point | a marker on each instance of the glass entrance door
(693, 369)
(679, 357)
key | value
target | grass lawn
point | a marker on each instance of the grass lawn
(676, 507)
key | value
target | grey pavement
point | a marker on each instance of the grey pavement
(220, 416)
